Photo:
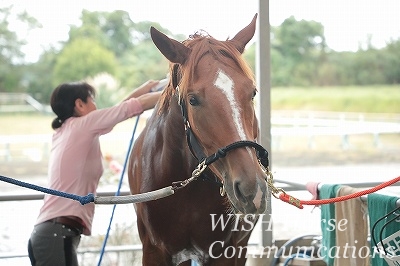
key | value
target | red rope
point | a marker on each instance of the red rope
(299, 203)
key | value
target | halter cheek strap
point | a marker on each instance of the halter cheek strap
(194, 146)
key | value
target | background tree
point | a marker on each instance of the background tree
(114, 30)
(296, 48)
(367, 67)
(83, 58)
(391, 56)
(108, 90)
(11, 56)
(297, 39)
(38, 77)
(136, 56)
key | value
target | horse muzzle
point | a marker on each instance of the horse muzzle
(248, 196)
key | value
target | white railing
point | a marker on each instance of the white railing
(313, 124)
(36, 147)
(284, 124)
(20, 102)
(333, 123)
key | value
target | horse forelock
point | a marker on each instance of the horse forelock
(200, 45)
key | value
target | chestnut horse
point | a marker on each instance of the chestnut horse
(205, 119)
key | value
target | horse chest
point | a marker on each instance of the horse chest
(189, 234)
(188, 214)
(193, 254)
(203, 255)
(188, 224)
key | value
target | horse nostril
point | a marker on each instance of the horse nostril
(251, 199)
(239, 193)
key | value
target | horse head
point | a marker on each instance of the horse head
(215, 89)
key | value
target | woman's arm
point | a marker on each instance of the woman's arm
(142, 89)
(103, 120)
(149, 100)
(146, 97)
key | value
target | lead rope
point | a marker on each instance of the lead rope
(279, 193)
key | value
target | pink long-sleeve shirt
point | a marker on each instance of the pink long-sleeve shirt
(75, 164)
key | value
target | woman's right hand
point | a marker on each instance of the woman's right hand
(149, 100)
(142, 89)
(146, 87)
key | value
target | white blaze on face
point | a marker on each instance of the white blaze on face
(225, 84)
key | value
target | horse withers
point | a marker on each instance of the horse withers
(206, 116)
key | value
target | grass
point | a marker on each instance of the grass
(367, 99)
(20, 124)
(36, 123)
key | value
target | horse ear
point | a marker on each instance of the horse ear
(173, 50)
(245, 35)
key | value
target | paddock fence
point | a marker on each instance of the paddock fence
(311, 126)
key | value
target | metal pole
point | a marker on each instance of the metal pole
(264, 117)
(263, 81)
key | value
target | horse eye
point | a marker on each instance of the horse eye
(254, 94)
(193, 101)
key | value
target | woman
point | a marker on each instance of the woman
(75, 167)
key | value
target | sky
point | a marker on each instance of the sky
(347, 23)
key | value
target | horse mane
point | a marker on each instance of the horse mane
(201, 43)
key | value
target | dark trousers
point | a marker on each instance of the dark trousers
(53, 244)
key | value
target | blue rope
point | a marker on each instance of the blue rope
(82, 199)
(293, 256)
(118, 190)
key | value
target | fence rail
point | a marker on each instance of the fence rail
(20, 102)
(284, 124)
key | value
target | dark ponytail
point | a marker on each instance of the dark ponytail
(63, 99)
(57, 122)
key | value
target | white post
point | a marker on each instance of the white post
(264, 115)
